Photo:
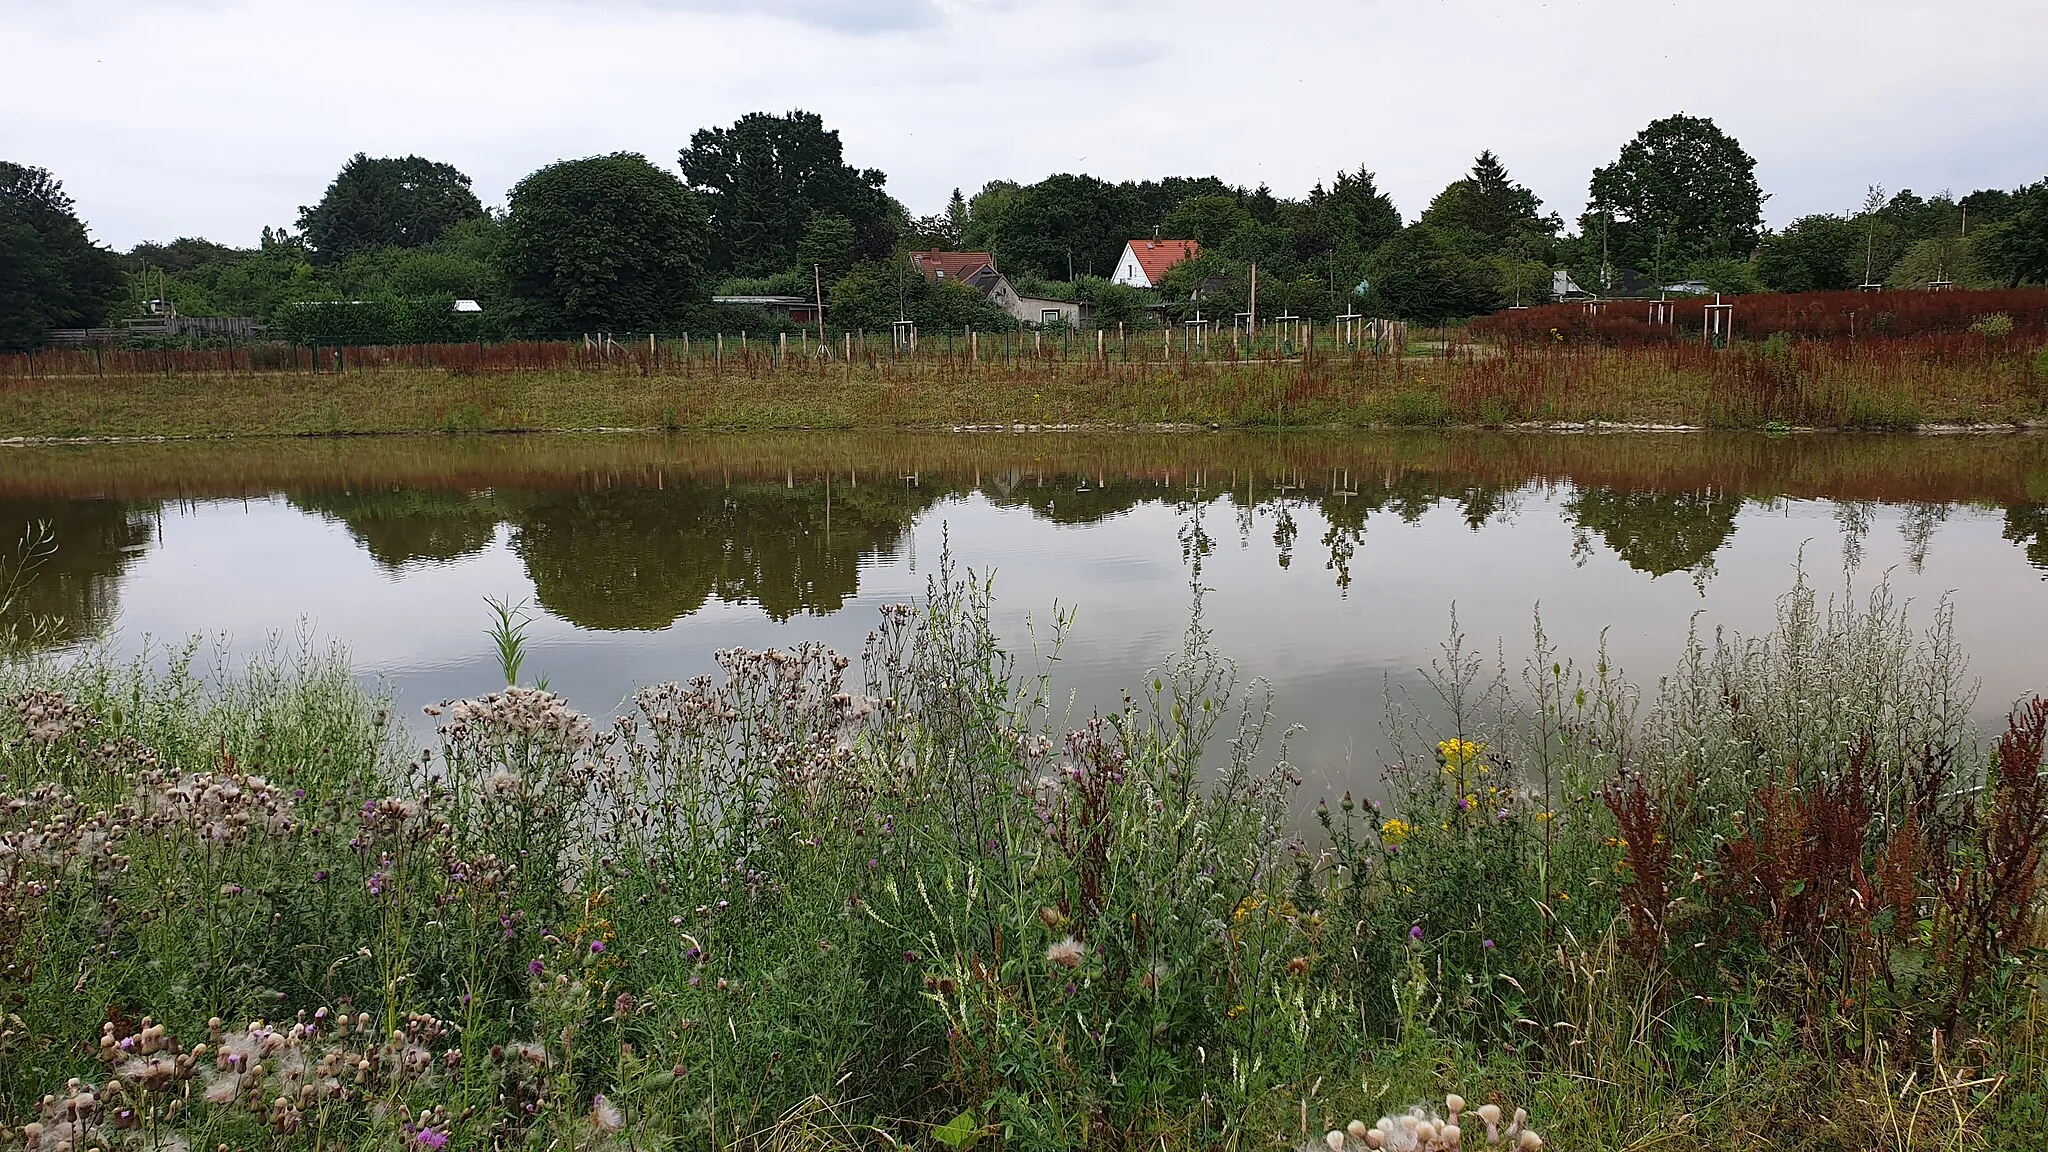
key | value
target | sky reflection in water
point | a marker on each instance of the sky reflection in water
(1332, 564)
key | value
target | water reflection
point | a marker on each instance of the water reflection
(1334, 559)
(72, 592)
(401, 527)
(1657, 532)
(2027, 526)
(642, 559)
(636, 534)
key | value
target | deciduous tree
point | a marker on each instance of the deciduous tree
(387, 202)
(766, 177)
(608, 242)
(1680, 190)
(1419, 275)
(2018, 251)
(51, 273)
(1818, 253)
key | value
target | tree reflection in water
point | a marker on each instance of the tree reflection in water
(643, 559)
(71, 593)
(2027, 526)
(401, 527)
(1658, 532)
(639, 532)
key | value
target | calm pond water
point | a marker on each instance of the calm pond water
(1334, 561)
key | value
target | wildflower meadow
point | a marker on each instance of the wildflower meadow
(1785, 895)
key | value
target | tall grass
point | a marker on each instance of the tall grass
(1863, 362)
(904, 900)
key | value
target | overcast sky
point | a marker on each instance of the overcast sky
(216, 117)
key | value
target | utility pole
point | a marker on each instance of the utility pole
(1251, 321)
(1606, 270)
(818, 286)
(1873, 201)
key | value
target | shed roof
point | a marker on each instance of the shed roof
(951, 265)
(1156, 256)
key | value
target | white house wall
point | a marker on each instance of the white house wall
(1130, 272)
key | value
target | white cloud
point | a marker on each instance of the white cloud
(216, 117)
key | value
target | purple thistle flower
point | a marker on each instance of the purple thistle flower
(534, 967)
(597, 947)
(1415, 933)
(910, 957)
(1486, 944)
(432, 1138)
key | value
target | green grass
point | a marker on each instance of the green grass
(1745, 387)
(901, 900)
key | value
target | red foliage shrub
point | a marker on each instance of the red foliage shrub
(1808, 315)
(1646, 845)
(1988, 901)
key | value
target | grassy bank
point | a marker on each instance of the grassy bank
(1875, 384)
(1784, 898)
(1986, 470)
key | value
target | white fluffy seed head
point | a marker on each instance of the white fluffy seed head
(1357, 1128)
(1451, 1135)
(1374, 1138)
(1335, 1139)
(1530, 1141)
(1490, 1113)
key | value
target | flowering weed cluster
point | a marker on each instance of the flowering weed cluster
(899, 899)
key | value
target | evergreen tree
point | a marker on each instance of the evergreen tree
(1489, 209)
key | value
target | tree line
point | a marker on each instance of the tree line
(769, 205)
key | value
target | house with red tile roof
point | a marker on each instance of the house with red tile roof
(977, 270)
(1144, 262)
(966, 267)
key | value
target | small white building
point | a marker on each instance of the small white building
(1144, 262)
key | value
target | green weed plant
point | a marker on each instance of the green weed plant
(1783, 894)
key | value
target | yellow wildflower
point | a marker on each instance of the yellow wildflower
(1394, 831)
(1457, 754)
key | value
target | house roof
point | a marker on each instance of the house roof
(1156, 256)
(952, 265)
